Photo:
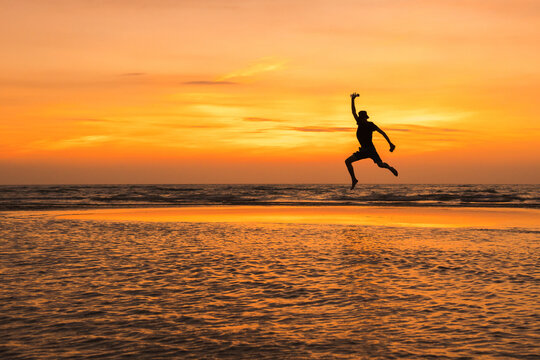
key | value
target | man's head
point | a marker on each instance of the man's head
(362, 115)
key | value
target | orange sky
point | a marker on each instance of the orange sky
(164, 91)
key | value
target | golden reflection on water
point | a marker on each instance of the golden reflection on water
(264, 290)
(388, 216)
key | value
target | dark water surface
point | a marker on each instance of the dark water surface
(37, 197)
(90, 289)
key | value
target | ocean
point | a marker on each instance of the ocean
(36, 197)
(201, 288)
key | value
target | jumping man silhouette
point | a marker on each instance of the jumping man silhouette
(364, 134)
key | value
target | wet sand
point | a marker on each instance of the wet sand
(270, 283)
(387, 216)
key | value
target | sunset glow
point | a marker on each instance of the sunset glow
(258, 91)
(380, 216)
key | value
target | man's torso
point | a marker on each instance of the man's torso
(364, 133)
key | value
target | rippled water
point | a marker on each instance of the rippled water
(85, 289)
(94, 196)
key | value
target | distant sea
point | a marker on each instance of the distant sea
(45, 197)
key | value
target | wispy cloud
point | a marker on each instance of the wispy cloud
(209, 82)
(423, 129)
(319, 128)
(88, 140)
(192, 126)
(133, 74)
(262, 66)
(96, 120)
(260, 119)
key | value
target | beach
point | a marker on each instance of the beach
(270, 282)
(496, 218)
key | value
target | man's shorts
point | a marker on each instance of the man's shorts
(367, 152)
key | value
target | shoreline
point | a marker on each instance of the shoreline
(321, 204)
(408, 216)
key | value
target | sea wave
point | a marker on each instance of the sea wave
(41, 197)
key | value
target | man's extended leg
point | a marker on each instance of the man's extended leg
(349, 162)
(386, 166)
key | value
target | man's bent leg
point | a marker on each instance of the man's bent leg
(349, 162)
(386, 166)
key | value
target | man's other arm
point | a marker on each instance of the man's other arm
(392, 146)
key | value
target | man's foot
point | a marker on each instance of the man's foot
(354, 182)
(394, 171)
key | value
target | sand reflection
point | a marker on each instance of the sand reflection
(388, 216)
(244, 289)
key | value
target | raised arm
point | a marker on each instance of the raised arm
(353, 108)
(392, 146)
